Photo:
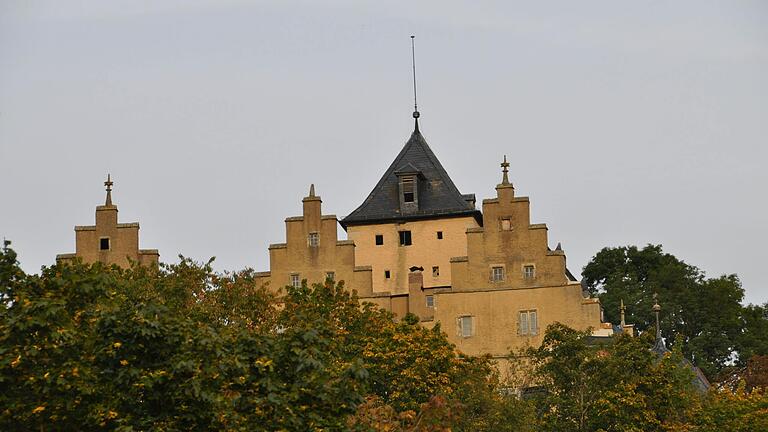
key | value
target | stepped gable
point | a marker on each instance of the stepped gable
(438, 196)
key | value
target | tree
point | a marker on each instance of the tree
(701, 315)
(181, 347)
(618, 386)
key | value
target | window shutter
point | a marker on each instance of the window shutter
(524, 323)
(519, 324)
(466, 327)
(534, 323)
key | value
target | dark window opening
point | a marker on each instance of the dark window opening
(104, 244)
(435, 271)
(439, 235)
(408, 190)
(379, 239)
(405, 238)
(386, 274)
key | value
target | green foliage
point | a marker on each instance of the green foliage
(620, 386)
(702, 315)
(181, 347)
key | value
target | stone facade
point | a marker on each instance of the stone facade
(108, 241)
(313, 252)
(417, 245)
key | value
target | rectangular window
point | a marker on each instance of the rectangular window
(430, 301)
(435, 271)
(387, 274)
(104, 243)
(330, 276)
(506, 224)
(379, 239)
(409, 194)
(497, 274)
(439, 235)
(465, 326)
(405, 238)
(314, 239)
(295, 281)
(528, 323)
(529, 272)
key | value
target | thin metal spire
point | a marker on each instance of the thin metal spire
(109, 184)
(659, 346)
(413, 63)
(622, 309)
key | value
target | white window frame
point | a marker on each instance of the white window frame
(295, 280)
(497, 276)
(532, 275)
(465, 326)
(528, 322)
(313, 239)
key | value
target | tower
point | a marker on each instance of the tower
(109, 241)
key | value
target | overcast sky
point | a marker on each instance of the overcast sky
(625, 122)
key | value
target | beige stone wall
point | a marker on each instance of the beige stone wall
(425, 251)
(508, 240)
(123, 241)
(297, 256)
(494, 314)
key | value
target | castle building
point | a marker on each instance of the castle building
(415, 245)
(418, 245)
(108, 241)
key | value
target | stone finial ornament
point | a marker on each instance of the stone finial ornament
(109, 184)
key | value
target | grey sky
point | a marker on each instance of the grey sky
(626, 122)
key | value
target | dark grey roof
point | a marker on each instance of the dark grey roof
(437, 195)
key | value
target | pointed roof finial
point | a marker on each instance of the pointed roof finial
(109, 184)
(505, 170)
(413, 63)
(312, 190)
(622, 309)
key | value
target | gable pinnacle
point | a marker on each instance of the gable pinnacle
(109, 184)
(312, 190)
(505, 170)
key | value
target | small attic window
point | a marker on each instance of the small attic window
(409, 187)
(409, 192)
(104, 243)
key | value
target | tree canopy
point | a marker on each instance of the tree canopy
(701, 315)
(181, 347)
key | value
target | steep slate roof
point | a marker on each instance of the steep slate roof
(437, 195)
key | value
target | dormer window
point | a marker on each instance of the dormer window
(409, 189)
(408, 182)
